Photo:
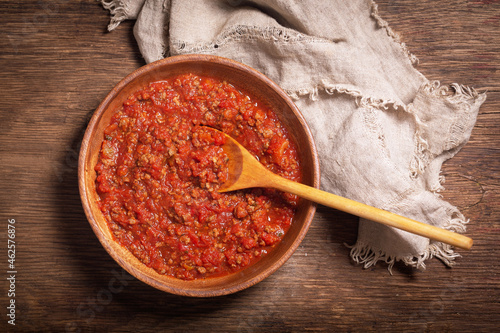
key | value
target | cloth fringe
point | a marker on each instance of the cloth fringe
(383, 24)
(121, 10)
(333, 88)
(438, 186)
(454, 94)
(364, 254)
(247, 32)
(117, 10)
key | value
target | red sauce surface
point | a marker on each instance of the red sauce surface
(158, 172)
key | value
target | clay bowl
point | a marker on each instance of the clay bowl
(253, 83)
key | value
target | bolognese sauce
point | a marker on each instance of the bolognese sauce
(159, 169)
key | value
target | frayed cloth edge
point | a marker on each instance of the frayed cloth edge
(121, 10)
(455, 94)
(361, 100)
(117, 11)
(368, 256)
(362, 253)
(245, 33)
(383, 24)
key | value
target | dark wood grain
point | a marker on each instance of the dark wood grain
(58, 62)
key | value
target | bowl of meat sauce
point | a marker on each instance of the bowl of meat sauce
(150, 167)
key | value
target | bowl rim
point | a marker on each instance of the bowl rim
(111, 249)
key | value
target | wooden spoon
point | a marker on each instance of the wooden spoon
(246, 172)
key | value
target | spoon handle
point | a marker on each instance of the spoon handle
(372, 213)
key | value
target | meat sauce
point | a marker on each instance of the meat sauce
(159, 169)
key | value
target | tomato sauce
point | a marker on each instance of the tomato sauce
(159, 169)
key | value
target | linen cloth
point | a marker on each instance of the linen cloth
(381, 128)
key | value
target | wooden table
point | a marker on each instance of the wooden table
(58, 62)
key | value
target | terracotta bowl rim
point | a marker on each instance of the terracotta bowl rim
(107, 243)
